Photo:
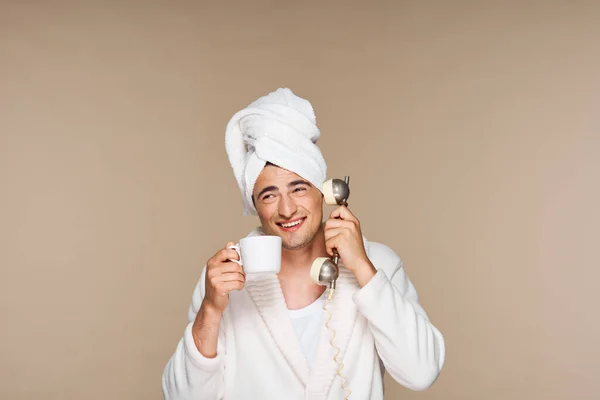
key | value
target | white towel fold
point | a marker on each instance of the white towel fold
(279, 128)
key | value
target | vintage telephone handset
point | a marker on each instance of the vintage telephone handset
(324, 270)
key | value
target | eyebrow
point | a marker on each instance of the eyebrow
(289, 185)
(297, 182)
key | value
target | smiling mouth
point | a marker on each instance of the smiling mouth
(292, 224)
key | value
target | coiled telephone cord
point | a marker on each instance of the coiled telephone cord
(341, 365)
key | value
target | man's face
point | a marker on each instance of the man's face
(288, 206)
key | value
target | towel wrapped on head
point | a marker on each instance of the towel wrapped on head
(279, 128)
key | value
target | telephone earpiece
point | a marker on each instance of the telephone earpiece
(337, 191)
(325, 271)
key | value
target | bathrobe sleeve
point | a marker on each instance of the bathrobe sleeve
(410, 347)
(188, 374)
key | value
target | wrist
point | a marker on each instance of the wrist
(205, 330)
(208, 315)
(364, 271)
(207, 319)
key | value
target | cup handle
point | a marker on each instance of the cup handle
(237, 249)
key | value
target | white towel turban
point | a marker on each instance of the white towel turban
(279, 128)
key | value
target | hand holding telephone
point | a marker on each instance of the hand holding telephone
(324, 270)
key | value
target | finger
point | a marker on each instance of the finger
(344, 213)
(332, 243)
(338, 223)
(329, 233)
(228, 277)
(227, 267)
(219, 254)
(231, 285)
(227, 254)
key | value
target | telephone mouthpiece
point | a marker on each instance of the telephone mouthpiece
(324, 271)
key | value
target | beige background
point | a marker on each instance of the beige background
(470, 130)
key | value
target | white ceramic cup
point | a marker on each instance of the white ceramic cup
(259, 254)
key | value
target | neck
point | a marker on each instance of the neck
(297, 262)
(297, 287)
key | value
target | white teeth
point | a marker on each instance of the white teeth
(291, 224)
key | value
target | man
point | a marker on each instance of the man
(270, 338)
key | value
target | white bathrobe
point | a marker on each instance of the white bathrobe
(380, 325)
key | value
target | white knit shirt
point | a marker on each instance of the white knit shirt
(308, 322)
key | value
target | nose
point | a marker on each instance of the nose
(287, 207)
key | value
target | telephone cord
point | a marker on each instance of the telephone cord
(341, 365)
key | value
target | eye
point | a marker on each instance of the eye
(299, 191)
(268, 198)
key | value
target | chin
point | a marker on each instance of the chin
(294, 245)
(298, 242)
